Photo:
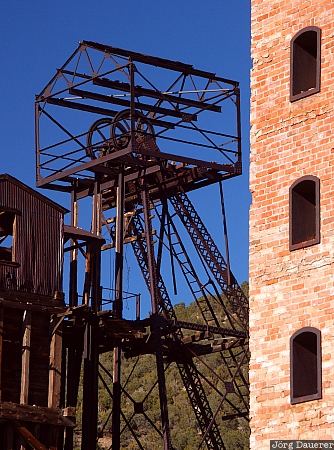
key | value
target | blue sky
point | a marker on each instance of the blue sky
(37, 37)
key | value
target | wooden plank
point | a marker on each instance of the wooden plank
(55, 368)
(28, 297)
(30, 307)
(25, 357)
(36, 414)
(78, 233)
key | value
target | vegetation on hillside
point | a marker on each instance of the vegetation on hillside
(139, 379)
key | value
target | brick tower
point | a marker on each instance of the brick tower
(292, 221)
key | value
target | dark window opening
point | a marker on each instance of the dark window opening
(305, 354)
(305, 63)
(304, 212)
(7, 224)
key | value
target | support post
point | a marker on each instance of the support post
(9, 437)
(137, 306)
(91, 351)
(155, 320)
(90, 386)
(227, 251)
(87, 281)
(118, 310)
(55, 369)
(73, 356)
(25, 357)
(26, 342)
(73, 291)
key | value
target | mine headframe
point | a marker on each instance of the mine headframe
(107, 105)
(136, 133)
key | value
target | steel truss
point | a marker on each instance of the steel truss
(132, 132)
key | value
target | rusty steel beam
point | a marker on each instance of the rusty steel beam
(138, 105)
(155, 328)
(151, 93)
(187, 369)
(157, 62)
(80, 106)
(200, 296)
(61, 174)
(190, 161)
(210, 329)
(140, 91)
(206, 246)
(101, 111)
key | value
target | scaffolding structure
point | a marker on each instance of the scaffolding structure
(136, 134)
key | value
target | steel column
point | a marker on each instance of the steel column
(155, 323)
(91, 354)
(118, 310)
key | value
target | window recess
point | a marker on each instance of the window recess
(305, 365)
(305, 63)
(304, 215)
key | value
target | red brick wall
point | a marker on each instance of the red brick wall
(289, 290)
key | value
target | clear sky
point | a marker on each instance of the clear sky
(37, 36)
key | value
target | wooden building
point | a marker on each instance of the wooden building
(31, 261)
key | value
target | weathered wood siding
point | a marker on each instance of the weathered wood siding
(38, 241)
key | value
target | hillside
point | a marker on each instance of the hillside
(139, 378)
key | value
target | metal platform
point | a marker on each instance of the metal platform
(143, 112)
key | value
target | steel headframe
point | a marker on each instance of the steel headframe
(135, 133)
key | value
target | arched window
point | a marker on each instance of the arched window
(304, 212)
(305, 365)
(305, 63)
